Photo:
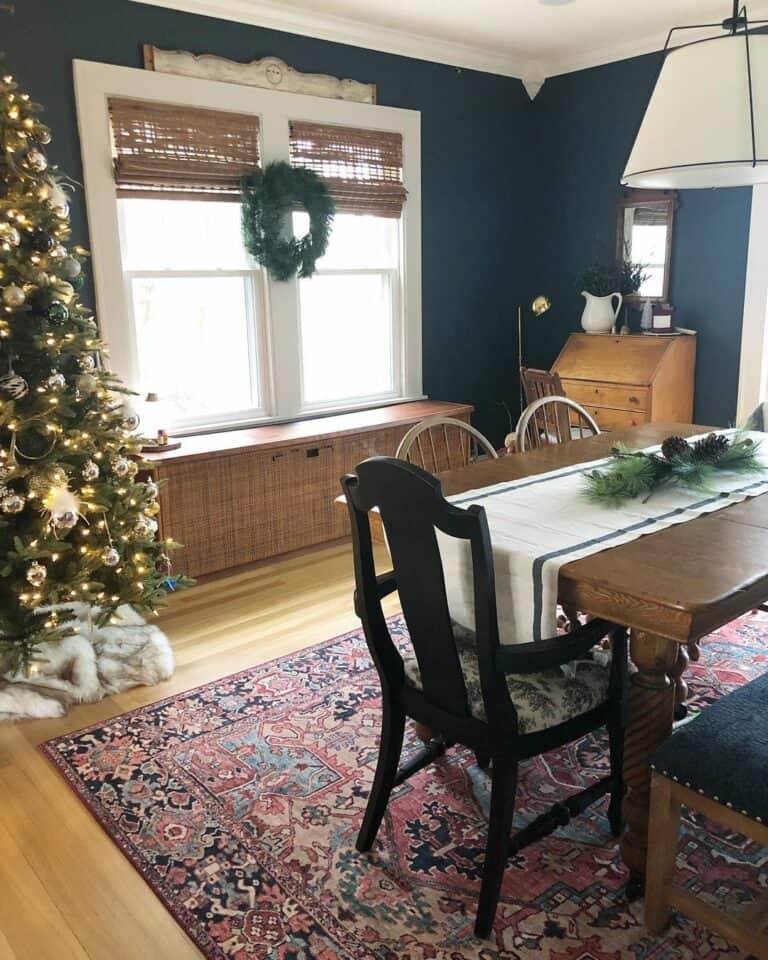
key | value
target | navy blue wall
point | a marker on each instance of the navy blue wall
(586, 123)
(476, 163)
(517, 196)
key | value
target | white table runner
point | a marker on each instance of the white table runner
(539, 523)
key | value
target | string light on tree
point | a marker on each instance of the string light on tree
(71, 510)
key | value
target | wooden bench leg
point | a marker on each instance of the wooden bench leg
(663, 831)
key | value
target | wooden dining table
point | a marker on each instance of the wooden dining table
(670, 588)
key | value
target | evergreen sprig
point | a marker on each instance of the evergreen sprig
(66, 437)
(268, 199)
(636, 473)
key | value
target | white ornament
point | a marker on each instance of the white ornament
(88, 362)
(90, 471)
(13, 296)
(58, 199)
(12, 503)
(58, 251)
(36, 160)
(121, 467)
(36, 574)
(9, 234)
(110, 557)
(152, 489)
(15, 386)
(86, 383)
(71, 268)
(56, 381)
(63, 506)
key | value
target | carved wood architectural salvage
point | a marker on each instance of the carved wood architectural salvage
(270, 73)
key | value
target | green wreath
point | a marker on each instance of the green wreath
(268, 198)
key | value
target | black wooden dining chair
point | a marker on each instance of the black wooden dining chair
(506, 703)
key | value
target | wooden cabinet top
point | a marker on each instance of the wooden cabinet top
(275, 435)
(632, 359)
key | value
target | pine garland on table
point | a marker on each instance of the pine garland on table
(633, 474)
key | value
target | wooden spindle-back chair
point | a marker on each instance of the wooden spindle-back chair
(551, 420)
(540, 383)
(440, 443)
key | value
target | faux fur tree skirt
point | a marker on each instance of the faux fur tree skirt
(87, 666)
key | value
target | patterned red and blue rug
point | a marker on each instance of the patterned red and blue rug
(239, 803)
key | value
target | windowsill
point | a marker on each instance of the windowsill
(314, 414)
(267, 438)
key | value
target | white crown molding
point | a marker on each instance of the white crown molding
(278, 16)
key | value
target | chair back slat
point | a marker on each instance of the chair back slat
(437, 444)
(412, 510)
(540, 383)
(553, 420)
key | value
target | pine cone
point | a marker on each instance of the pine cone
(676, 448)
(710, 448)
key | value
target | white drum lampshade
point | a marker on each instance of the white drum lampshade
(706, 124)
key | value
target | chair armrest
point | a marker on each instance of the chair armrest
(385, 584)
(545, 654)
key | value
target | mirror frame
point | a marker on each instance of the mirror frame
(633, 197)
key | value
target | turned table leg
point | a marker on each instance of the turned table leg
(651, 706)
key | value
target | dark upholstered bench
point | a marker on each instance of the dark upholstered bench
(717, 764)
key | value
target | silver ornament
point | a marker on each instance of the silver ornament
(90, 471)
(15, 386)
(152, 488)
(86, 383)
(63, 522)
(71, 268)
(43, 134)
(37, 160)
(9, 234)
(56, 381)
(110, 557)
(121, 466)
(131, 422)
(145, 527)
(36, 574)
(88, 362)
(13, 296)
(12, 503)
(58, 251)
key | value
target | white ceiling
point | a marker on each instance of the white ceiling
(530, 39)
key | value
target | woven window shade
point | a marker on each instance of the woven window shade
(651, 215)
(363, 169)
(164, 150)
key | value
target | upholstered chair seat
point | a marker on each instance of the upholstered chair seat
(542, 700)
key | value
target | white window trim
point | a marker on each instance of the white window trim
(753, 368)
(95, 83)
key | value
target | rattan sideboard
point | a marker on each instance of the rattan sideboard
(246, 495)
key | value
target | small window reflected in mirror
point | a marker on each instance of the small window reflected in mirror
(644, 235)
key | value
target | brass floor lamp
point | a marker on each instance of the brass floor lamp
(538, 307)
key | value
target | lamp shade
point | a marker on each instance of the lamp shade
(698, 127)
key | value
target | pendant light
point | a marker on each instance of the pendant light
(706, 124)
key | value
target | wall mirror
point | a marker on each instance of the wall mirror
(644, 235)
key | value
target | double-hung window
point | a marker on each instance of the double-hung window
(187, 314)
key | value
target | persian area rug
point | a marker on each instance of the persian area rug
(239, 802)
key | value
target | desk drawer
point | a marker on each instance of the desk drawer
(618, 395)
(610, 419)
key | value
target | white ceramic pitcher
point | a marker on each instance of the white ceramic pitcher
(599, 315)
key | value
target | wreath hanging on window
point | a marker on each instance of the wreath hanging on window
(268, 199)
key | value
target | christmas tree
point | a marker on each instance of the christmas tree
(75, 524)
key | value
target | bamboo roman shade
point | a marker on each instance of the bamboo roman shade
(165, 150)
(363, 169)
(651, 215)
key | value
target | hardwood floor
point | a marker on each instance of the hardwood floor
(67, 890)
